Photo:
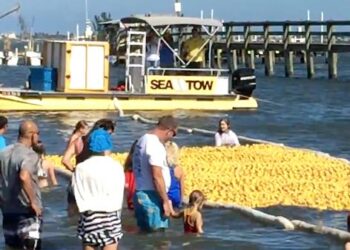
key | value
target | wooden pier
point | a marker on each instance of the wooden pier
(243, 40)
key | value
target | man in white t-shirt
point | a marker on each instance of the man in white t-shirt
(152, 175)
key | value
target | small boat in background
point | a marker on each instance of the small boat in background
(2, 57)
(11, 58)
(33, 58)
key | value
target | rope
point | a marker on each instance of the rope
(264, 218)
(257, 215)
(263, 100)
(204, 131)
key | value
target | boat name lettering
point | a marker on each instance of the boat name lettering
(192, 84)
(161, 84)
(199, 85)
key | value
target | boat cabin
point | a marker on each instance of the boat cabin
(170, 55)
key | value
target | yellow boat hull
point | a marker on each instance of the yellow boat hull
(38, 101)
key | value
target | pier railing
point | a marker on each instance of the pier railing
(244, 40)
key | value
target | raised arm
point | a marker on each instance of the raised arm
(68, 154)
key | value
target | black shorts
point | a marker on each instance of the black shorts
(70, 194)
(22, 230)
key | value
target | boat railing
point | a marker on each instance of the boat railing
(187, 71)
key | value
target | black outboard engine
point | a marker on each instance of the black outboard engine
(243, 81)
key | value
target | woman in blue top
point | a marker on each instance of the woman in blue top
(176, 189)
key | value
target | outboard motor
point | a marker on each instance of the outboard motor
(243, 81)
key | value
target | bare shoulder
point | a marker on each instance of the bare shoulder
(178, 170)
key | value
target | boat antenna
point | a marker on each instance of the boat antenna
(177, 7)
(88, 24)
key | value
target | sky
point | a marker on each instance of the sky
(53, 16)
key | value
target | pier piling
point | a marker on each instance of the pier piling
(288, 39)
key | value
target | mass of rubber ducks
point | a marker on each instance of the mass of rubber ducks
(263, 175)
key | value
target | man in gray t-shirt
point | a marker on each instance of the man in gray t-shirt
(20, 198)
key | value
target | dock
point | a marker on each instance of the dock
(244, 41)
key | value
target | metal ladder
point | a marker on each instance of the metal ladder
(135, 61)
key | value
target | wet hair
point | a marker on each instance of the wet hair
(167, 122)
(106, 124)
(128, 160)
(39, 148)
(172, 153)
(196, 198)
(225, 120)
(3, 121)
(80, 124)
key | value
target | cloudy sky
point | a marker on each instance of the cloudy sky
(63, 15)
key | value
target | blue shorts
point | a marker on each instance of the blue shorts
(149, 211)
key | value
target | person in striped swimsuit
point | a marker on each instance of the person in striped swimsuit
(98, 185)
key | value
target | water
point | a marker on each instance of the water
(297, 112)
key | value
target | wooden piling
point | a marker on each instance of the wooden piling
(288, 64)
(332, 57)
(310, 64)
(251, 63)
(332, 65)
(288, 55)
(293, 43)
(269, 61)
(246, 44)
(309, 55)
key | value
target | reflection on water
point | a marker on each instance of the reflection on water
(224, 229)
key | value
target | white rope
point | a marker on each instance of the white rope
(257, 215)
(204, 131)
(264, 218)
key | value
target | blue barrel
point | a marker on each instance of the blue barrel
(43, 78)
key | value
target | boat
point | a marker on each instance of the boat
(2, 57)
(11, 58)
(79, 75)
(33, 58)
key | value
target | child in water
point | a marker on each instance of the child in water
(177, 187)
(46, 168)
(192, 216)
